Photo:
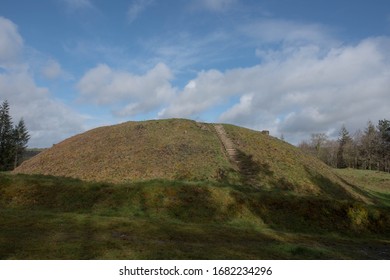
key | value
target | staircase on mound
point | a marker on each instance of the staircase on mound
(227, 144)
(243, 163)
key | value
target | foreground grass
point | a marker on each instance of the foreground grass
(45, 217)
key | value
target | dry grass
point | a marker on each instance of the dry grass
(277, 164)
(169, 149)
(187, 150)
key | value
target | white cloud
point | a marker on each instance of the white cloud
(184, 51)
(11, 43)
(52, 69)
(78, 4)
(133, 94)
(47, 119)
(289, 32)
(298, 91)
(199, 95)
(240, 110)
(136, 8)
(216, 5)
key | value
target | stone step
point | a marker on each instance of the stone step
(227, 143)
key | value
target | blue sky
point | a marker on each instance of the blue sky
(293, 67)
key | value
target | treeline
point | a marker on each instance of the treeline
(365, 149)
(13, 139)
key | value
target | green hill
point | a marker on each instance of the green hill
(131, 151)
(187, 150)
(179, 189)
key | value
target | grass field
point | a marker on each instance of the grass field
(44, 217)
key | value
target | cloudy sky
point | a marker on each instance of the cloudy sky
(293, 67)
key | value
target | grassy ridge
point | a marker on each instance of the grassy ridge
(45, 217)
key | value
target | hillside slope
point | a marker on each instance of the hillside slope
(170, 149)
(187, 150)
(47, 217)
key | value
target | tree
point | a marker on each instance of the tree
(6, 137)
(370, 143)
(306, 147)
(358, 148)
(344, 143)
(21, 138)
(384, 144)
(368, 149)
(13, 140)
(317, 141)
(330, 153)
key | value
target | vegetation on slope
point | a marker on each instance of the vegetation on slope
(374, 184)
(167, 190)
(169, 149)
(187, 150)
(44, 217)
(274, 163)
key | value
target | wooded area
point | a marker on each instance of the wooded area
(367, 149)
(13, 139)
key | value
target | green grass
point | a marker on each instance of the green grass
(375, 184)
(45, 217)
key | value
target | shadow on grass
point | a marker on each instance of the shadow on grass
(193, 204)
(178, 220)
(161, 239)
(328, 187)
(357, 189)
(381, 198)
(56, 236)
(250, 170)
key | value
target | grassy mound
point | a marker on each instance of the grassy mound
(169, 149)
(177, 149)
(45, 217)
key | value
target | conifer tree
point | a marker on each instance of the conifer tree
(6, 137)
(21, 138)
(13, 140)
(384, 146)
(370, 145)
(344, 140)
